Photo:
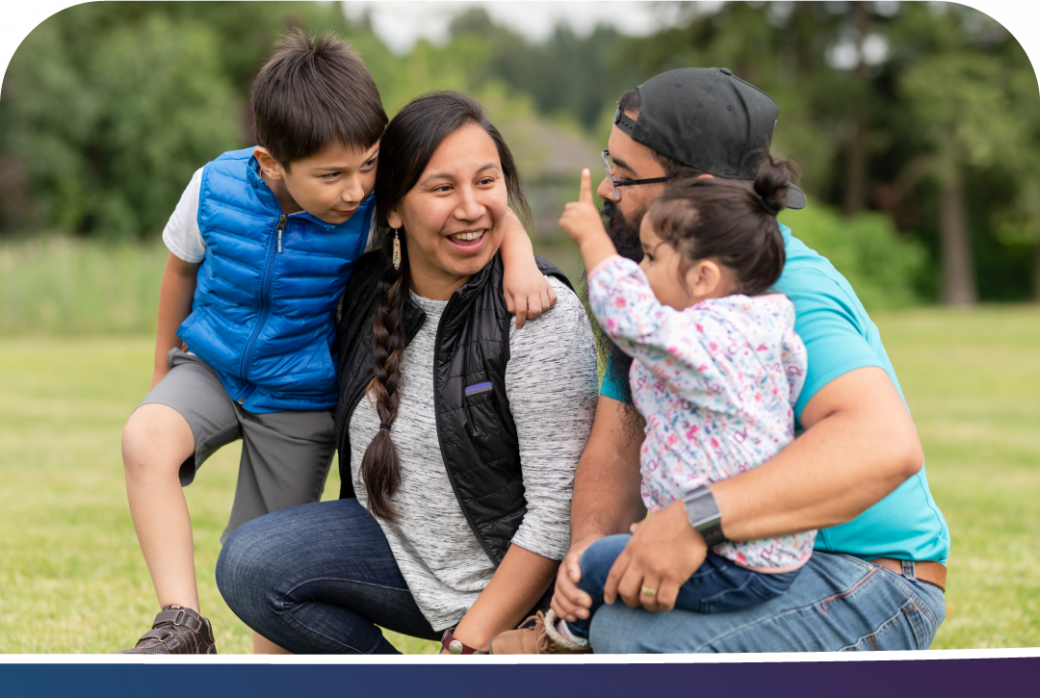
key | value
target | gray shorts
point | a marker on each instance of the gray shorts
(285, 455)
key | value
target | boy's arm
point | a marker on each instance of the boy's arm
(528, 293)
(175, 297)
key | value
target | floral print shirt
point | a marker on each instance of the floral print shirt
(716, 383)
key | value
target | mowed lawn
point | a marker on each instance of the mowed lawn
(72, 579)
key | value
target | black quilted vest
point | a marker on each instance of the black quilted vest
(477, 435)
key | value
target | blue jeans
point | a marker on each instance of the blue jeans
(317, 579)
(717, 586)
(837, 603)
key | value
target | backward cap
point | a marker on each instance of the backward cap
(708, 119)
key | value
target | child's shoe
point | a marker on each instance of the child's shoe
(537, 635)
(177, 630)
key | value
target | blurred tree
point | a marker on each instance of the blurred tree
(567, 74)
(108, 108)
(110, 138)
(962, 93)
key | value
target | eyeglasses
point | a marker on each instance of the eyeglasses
(616, 182)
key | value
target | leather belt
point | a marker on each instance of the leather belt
(933, 573)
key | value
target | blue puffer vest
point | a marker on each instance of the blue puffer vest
(264, 310)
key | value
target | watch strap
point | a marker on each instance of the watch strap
(703, 514)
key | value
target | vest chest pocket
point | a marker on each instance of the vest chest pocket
(483, 424)
(480, 408)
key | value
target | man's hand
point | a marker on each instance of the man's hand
(663, 553)
(569, 602)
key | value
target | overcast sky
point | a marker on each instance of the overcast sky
(401, 24)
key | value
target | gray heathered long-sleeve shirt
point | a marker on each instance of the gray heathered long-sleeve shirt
(551, 383)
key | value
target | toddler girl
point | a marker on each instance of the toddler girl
(717, 368)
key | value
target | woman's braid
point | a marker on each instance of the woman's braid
(380, 466)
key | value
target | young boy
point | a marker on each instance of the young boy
(261, 245)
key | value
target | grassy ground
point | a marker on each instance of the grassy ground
(73, 580)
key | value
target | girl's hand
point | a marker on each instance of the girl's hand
(526, 290)
(581, 221)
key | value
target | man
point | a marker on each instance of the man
(856, 473)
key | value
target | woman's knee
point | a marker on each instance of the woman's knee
(248, 569)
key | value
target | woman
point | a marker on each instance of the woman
(457, 432)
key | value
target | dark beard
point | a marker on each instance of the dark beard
(625, 236)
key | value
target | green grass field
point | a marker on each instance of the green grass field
(72, 579)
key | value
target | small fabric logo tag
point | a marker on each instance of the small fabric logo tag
(479, 388)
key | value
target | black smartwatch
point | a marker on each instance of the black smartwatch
(703, 513)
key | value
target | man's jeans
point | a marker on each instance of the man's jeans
(837, 603)
(317, 579)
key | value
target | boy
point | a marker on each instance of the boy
(261, 245)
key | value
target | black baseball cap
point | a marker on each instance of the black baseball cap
(708, 119)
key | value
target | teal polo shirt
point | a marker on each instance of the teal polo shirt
(840, 337)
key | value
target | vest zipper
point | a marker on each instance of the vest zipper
(265, 288)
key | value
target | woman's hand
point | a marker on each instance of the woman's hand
(526, 290)
(582, 223)
(663, 553)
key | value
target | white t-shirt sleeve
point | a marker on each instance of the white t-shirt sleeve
(182, 235)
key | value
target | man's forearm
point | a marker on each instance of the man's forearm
(860, 444)
(606, 483)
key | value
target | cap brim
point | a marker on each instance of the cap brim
(795, 197)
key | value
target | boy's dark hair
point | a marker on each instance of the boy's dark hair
(726, 220)
(312, 93)
(410, 141)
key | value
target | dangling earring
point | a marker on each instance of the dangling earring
(397, 250)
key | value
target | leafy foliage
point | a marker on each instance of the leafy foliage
(108, 108)
(883, 267)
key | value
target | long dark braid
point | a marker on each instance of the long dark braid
(380, 466)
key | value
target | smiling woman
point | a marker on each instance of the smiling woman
(454, 214)
(470, 496)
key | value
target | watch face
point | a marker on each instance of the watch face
(704, 516)
(701, 508)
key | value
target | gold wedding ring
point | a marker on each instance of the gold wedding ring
(649, 592)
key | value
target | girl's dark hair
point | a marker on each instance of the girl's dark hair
(729, 221)
(407, 146)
